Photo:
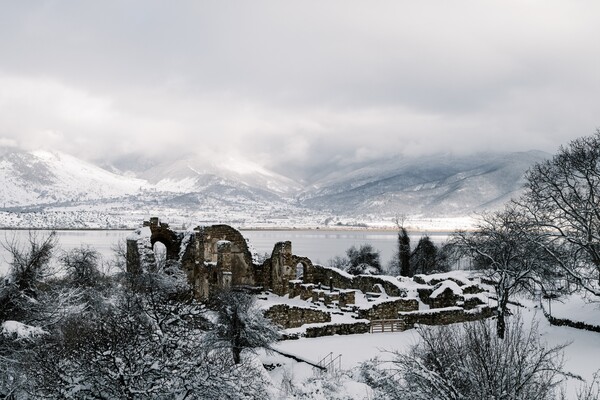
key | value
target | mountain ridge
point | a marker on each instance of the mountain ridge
(436, 185)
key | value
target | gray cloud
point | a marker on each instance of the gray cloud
(298, 83)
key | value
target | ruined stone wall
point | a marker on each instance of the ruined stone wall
(282, 269)
(211, 235)
(445, 316)
(294, 317)
(221, 260)
(364, 283)
(446, 299)
(308, 269)
(298, 288)
(323, 275)
(133, 257)
(389, 309)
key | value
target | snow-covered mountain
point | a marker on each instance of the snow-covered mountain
(43, 177)
(441, 185)
(195, 174)
(432, 185)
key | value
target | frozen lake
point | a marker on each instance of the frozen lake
(318, 245)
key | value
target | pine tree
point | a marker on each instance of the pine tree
(404, 252)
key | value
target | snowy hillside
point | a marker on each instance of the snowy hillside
(42, 177)
(245, 193)
(194, 174)
(440, 185)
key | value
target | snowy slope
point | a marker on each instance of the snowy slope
(433, 186)
(440, 185)
(193, 174)
(42, 177)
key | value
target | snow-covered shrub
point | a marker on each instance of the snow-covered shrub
(29, 267)
(340, 385)
(469, 361)
(144, 345)
(362, 260)
(82, 266)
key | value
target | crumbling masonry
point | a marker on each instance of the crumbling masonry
(217, 257)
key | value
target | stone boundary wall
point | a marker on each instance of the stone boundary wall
(294, 317)
(569, 323)
(338, 329)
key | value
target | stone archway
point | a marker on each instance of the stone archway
(169, 238)
(160, 253)
(305, 267)
(300, 267)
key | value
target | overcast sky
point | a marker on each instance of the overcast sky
(298, 82)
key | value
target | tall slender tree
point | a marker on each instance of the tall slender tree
(424, 257)
(404, 252)
(403, 246)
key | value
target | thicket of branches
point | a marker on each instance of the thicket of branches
(83, 334)
(562, 199)
(469, 361)
(362, 260)
(504, 249)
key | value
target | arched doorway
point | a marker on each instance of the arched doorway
(160, 254)
(300, 271)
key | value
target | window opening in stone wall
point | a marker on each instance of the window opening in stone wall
(300, 271)
(160, 254)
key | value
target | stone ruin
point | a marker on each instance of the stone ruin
(218, 257)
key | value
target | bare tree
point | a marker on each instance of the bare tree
(29, 267)
(241, 325)
(590, 390)
(504, 247)
(30, 261)
(82, 266)
(468, 361)
(562, 198)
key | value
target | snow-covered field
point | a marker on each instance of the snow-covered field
(582, 355)
(124, 213)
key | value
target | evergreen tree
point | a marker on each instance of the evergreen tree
(404, 252)
(424, 257)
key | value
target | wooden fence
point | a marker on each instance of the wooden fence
(387, 325)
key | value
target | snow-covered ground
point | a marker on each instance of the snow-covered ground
(582, 355)
(575, 308)
(128, 213)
